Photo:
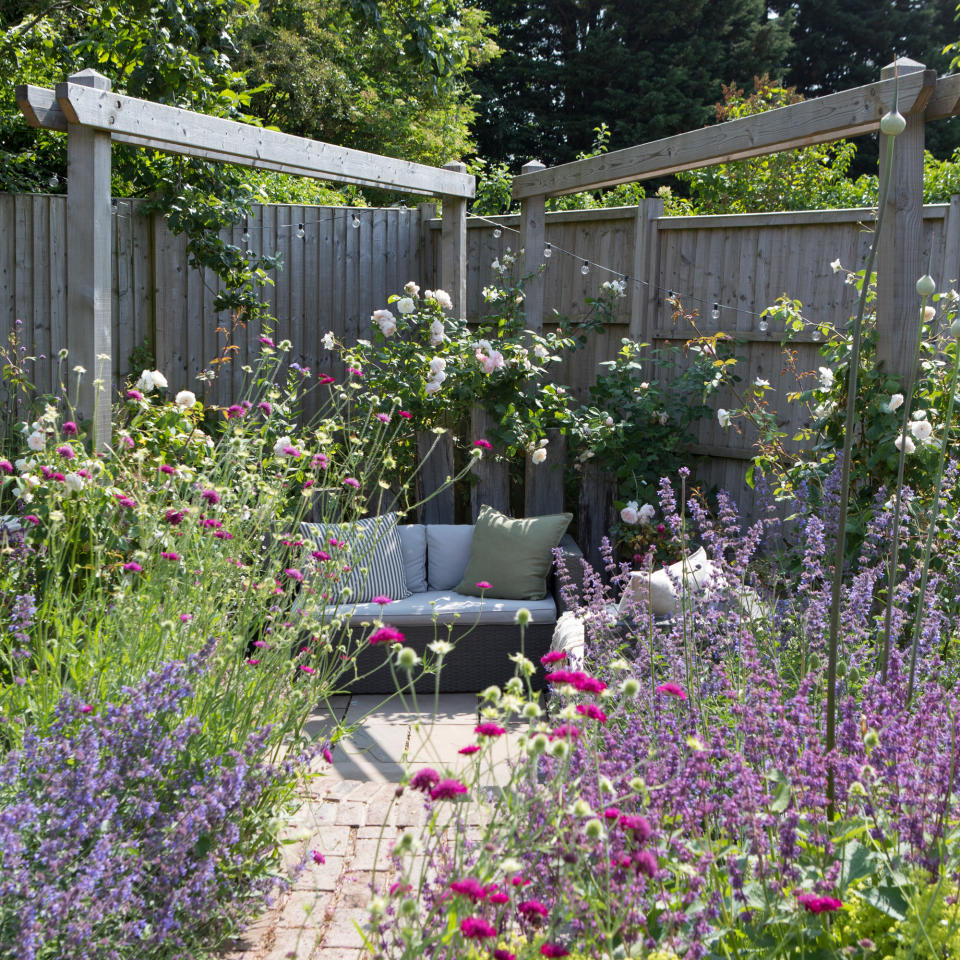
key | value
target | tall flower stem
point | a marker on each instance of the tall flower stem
(852, 384)
(893, 569)
(932, 523)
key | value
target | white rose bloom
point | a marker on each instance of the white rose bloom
(541, 351)
(909, 445)
(608, 421)
(73, 482)
(437, 335)
(151, 380)
(327, 340)
(629, 514)
(896, 401)
(826, 378)
(723, 417)
(929, 313)
(185, 399)
(918, 415)
(835, 265)
(485, 346)
(37, 440)
(23, 464)
(539, 455)
(281, 445)
(437, 366)
(646, 513)
(406, 305)
(388, 327)
(921, 430)
(443, 298)
(432, 386)
(761, 383)
(411, 288)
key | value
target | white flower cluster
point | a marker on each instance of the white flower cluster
(441, 297)
(633, 513)
(386, 321)
(438, 373)
(151, 380)
(539, 453)
(489, 358)
(616, 288)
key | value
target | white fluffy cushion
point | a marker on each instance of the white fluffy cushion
(657, 590)
(413, 543)
(448, 553)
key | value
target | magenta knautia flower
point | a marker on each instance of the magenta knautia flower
(501, 954)
(306, 669)
(673, 689)
(592, 711)
(327, 754)
(447, 790)
(381, 600)
(170, 555)
(317, 856)
(484, 585)
(611, 813)
(265, 340)
(175, 517)
(167, 469)
(186, 617)
(66, 452)
(386, 634)
(326, 378)
(320, 555)
(69, 428)
(814, 904)
(483, 444)
(489, 730)
(565, 731)
(252, 661)
(294, 574)
(554, 656)
(133, 567)
(383, 417)
(425, 779)
(352, 482)
(474, 928)
(498, 898)
(292, 452)
(234, 411)
(134, 395)
(86, 708)
(468, 749)
(126, 501)
(265, 406)
(637, 825)
(6, 466)
(32, 518)
(355, 371)
(469, 887)
(223, 534)
(406, 414)
(533, 908)
(211, 497)
(553, 950)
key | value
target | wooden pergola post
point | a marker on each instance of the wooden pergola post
(453, 245)
(900, 254)
(533, 241)
(90, 267)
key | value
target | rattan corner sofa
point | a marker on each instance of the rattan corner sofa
(483, 630)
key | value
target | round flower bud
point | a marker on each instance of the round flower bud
(540, 743)
(630, 687)
(606, 786)
(856, 789)
(407, 658)
(593, 829)
(871, 739)
(559, 749)
(841, 669)
(581, 809)
(854, 675)
(813, 663)
(638, 785)
(491, 693)
(955, 328)
(893, 124)
(408, 907)
(926, 286)
(522, 617)
(531, 711)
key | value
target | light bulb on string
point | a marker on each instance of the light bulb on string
(762, 325)
(585, 268)
(497, 233)
(245, 236)
(54, 181)
(816, 333)
(715, 313)
(547, 252)
(301, 233)
(356, 222)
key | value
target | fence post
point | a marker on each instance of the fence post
(646, 264)
(435, 456)
(533, 241)
(543, 482)
(427, 275)
(453, 255)
(597, 490)
(493, 476)
(90, 266)
(899, 257)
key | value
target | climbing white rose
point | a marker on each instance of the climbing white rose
(906, 443)
(723, 417)
(647, 512)
(539, 455)
(437, 335)
(185, 399)
(443, 298)
(37, 440)
(630, 513)
(411, 288)
(327, 340)
(406, 305)
(921, 430)
(151, 380)
(826, 378)
(896, 401)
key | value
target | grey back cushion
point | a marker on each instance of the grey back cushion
(413, 543)
(448, 553)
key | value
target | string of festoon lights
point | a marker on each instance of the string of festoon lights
(586, 265)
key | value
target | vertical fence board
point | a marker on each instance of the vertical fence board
(492, 487)
(436, 466)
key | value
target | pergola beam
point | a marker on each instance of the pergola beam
(154, 126)
(847, 114)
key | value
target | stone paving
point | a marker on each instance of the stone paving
(352, 815)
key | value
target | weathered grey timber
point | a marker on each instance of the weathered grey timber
(435, 453)
(492, 486)
(543, 482)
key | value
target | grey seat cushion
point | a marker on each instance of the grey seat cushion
(417, 610)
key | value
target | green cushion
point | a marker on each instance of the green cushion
(514, 556)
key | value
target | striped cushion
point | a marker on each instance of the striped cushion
(369, 562)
